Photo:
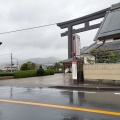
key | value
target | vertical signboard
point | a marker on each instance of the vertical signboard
(74, 70)
(77, 39)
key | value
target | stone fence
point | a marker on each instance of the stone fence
(102, 72)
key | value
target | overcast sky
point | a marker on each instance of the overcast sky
(43, 42)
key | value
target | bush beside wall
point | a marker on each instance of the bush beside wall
(24, 74)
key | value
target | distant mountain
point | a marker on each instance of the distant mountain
(48, 60)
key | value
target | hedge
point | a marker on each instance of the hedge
(40, 72)
(24, 74)
(6, 74)
(52, 72)
(33, 73)
(49, 72)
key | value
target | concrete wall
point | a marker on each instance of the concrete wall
(102, 71)
(86, 56)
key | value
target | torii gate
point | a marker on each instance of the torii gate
(85, 19)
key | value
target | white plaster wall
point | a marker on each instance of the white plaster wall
(86, 56)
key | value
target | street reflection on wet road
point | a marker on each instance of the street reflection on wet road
(106, 101)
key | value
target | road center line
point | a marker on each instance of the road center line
(62, 107)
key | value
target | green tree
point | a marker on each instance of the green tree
(24, 66)
(40, 67)
(104, 56)
(57, 66)
(100, 55)
(28, 66)
(113, 57)
(40, 71)
(31, 65)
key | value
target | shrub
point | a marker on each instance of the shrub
(47, 72)
(40, 72)
(28, 66)
(6, 74)
(52, 72)
(24, 74)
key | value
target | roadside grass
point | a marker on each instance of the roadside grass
(6, 77)
(25, 74)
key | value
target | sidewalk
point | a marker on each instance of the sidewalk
(62, 81)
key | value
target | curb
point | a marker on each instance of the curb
(91, 88)
(87, 88)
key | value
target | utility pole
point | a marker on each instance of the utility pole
(11, 62)
(17, 64)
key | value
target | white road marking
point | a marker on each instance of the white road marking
(117, 93)
(89, 92)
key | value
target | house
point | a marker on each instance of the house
(8, 68)
(108, 35)
(109, 46)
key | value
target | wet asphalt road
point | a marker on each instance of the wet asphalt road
(47, 97)
(50, 80)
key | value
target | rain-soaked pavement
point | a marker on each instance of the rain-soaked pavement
(57, 79)
(22, 103)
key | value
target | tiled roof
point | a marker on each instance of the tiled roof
(85, 51)
(109, 46)
(67, 60)
(110, 27)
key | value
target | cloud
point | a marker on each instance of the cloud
(45, 41)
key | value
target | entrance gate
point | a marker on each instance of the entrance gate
(86, 20)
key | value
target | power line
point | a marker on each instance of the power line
(25, 29)
(5, 54)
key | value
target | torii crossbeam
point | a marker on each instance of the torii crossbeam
(86, 20)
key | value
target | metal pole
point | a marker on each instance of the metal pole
(17, 64)
(11, 62)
